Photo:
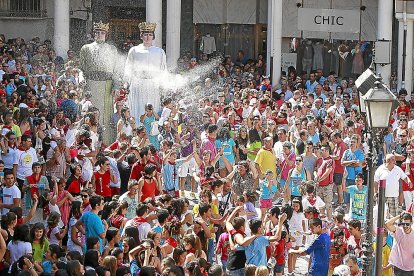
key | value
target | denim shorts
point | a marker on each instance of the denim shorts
(278, 268)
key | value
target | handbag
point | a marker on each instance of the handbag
(154, 128)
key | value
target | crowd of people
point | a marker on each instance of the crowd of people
(244, 181)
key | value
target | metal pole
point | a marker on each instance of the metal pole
(367, 243)
(380, 223)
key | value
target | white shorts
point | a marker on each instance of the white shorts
(299, 240)
(187, 168)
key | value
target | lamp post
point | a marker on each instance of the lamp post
(378, 103)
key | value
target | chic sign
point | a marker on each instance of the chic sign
(329, 20)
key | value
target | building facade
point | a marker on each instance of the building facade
(332, 35)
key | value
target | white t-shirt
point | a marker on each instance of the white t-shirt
(55, 208)
(52, 239)
(143, 229)
(71, 245)
(295, 223)
(18, 249)
(392, 178)
(318, 204)
(10, 158)
(8, 195)
(25, 160)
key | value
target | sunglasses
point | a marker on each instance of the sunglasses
(85, 196)
(298, 160)
(405, 224)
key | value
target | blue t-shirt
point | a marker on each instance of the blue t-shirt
(358, 202)
(93, 226)
(348, 156)
(47, 266)
(134, 268)
(228, 150)
(295, 182)
(266, 192)
(170, 175)
(319, 252)
(256, 251)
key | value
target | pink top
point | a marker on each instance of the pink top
(65, 207)
(209, 144)
(402, 252)
(286, 168)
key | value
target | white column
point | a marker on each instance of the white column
(154, 15)
(61, 28)
(384, 32)
(409, 58)
(269, 37)
(173, 32)
(400, 53)
(277, 6)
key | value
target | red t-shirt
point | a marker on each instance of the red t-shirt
(138, 168)
(404, 109)
(339, 151)
(405, 186)
(74, 186)
(148, 189)
(102, 184)
(326, 163)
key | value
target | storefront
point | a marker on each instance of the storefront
(335, 36)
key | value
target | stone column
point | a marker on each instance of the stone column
(269, 37)
(173, 32)
(409, 58)
(400, 53)
(277, 6)
(384, 32)
(408, 82)
(61, 27)
(154, 14)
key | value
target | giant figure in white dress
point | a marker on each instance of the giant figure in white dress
(145, 68)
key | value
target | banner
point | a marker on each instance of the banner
(329, 20)
(288, 59)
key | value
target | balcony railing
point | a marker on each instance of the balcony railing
(23, 8)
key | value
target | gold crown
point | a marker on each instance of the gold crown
(147, 27)
(101, 26)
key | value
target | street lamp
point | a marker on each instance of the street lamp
(378, 104)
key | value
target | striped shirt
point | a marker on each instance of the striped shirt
(170, 175)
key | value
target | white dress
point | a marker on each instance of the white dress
(145, 68)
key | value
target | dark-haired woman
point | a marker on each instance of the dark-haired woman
(75, 183)
(148, 184)
(102, 178)
(20, 244)
(126, 123)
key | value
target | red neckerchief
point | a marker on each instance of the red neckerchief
(32, 179)
(267, 149)
(84, 205)
(138, 221)
(312, 200)
(234, 232)
(172, 242)
(191, 251)
(7, 127)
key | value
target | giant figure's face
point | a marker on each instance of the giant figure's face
(147, 38)
(100, 36)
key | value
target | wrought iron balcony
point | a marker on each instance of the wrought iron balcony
(23, 8)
